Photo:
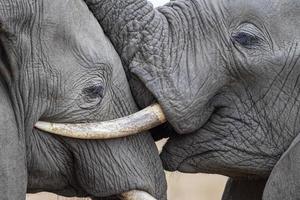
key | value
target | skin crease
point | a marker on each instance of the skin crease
(57, 65)
(226, 73)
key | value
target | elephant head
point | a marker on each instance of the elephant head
(56, 65)
(226, 74)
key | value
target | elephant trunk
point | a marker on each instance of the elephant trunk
(123, 22)
(175, 51)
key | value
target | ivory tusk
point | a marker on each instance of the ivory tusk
(138, 122)
(136, 195)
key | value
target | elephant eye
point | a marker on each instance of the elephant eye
(91, 96)
(94, 91)
(245, 39)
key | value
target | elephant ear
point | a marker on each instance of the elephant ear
(13, 172)
(245, 189)
(284, 181)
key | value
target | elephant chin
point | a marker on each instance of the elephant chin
(195, 153)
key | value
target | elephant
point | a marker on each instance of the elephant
(226, 75)
(58, 66)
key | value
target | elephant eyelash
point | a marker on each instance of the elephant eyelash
(91, 96)
(249, 36)
(246, 39)
(94, 91)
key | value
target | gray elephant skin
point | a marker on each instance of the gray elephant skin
(226, 73)
(57, 65)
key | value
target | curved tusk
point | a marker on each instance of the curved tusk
(138, 122)
(136, 195)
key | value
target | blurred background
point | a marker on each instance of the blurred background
(180, 186)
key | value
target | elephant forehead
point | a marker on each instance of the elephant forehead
(290, 11)
(70, 27)
(290, 7)
(281, 18)
(285, 20)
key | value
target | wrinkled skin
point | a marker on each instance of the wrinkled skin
(226, 73)
(58, 66)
